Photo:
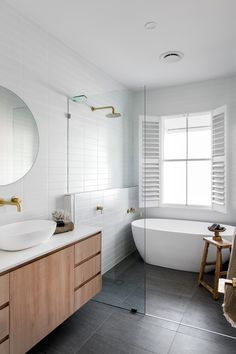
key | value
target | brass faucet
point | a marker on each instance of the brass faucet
(14, 201)
(131, 210)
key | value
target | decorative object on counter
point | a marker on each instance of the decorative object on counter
(216, 228)
(99, 208)
(68, 226)
(131, 211)
(62, 218)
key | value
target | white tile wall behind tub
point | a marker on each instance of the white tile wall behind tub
(43, 72)
(117, 241)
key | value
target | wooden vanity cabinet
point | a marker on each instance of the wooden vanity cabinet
(4, 314)
(47, 291)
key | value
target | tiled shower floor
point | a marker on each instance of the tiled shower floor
(98, 328)
(166, 293)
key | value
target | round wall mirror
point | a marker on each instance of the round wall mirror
(19, 137)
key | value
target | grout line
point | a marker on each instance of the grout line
(191, 326)
(102, 323)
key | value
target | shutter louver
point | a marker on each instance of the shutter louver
(219, 159)
(149, 152)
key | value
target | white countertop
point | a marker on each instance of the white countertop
(10, 260)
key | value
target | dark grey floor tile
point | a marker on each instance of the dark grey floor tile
(185, 344)
(138, 330)
(122, 280)
(106, 345)
(166, 305)
(115, 291)
(156, 321)
(177, 288)
(203, 334)
(172, 275)
(73, 333)
(135, 300)
(206, 313)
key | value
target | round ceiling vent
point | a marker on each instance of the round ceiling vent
(171, 56)
(151, 25)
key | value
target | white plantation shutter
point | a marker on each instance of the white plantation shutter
(219, 159)
(149, 155)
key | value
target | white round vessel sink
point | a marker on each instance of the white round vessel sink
(25, 234)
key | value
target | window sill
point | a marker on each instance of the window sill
(186, 207)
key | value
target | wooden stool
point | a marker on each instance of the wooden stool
(218, 263)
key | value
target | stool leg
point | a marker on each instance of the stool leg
(203, 263)
(217, 274)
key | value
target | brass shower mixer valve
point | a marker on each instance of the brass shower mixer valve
(131, 211)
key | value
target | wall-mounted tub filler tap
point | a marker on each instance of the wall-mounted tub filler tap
(100, 208)
(14, 201)
(131, 211)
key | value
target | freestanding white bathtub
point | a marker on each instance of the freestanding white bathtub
(176, 244)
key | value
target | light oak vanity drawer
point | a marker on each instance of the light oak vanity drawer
(4, 289)
(4, 322)
(87, 270)
(4, 347)
(87, 248)
(87, 291)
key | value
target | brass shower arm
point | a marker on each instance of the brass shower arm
(103, 107)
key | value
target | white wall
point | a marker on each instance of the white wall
(43, 72)
(101, 148)
(194, 97)
(117, 240)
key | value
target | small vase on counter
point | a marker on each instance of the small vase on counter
(64, 224)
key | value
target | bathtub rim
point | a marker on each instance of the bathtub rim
(139, 223)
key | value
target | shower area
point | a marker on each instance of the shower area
(115, 166)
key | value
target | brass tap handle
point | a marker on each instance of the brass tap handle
(99, 208)
(131, 210)
(15, 199)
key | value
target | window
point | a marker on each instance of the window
(186, 160)
(183, 160)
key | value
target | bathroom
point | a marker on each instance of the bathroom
(171, 65)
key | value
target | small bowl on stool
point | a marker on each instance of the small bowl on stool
(217, 231)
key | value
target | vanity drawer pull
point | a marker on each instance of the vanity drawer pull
(87, 270)
(4, 289)
(87, 248)
(87, 291)
(4, 323)
(4, 347)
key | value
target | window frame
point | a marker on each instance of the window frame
(162, 160)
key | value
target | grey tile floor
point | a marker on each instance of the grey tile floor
(103, 329)
(167, 293)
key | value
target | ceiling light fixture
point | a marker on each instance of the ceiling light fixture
(171, 56)
(151, 25)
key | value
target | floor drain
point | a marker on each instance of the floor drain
(133, 310)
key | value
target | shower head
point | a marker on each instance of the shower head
(113, 114)
(79, 99)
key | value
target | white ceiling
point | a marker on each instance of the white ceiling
(111, 34)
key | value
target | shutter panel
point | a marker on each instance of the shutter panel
(219, 159)
(149, 154)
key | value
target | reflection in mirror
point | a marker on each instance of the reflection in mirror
(19, 137)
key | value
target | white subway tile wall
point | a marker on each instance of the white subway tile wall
(117, 240)
(44, 72)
